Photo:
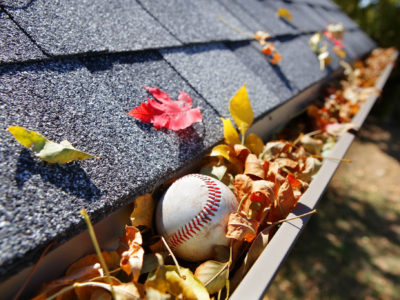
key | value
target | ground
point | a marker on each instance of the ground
(351, 248)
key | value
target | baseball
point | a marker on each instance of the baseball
(193, 214)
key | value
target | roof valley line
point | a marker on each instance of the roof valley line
(72, 71)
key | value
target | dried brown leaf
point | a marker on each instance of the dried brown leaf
(312, 145)
(254, 167)
(241, 228)
(263, 191)
(241, 152)
(274, 148)
(243, 185)
(132, 259)
(284, 203)
(286, 163)
(143, 211)
(258, 245)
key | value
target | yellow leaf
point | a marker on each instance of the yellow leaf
(142, 214)
(207, 272)
(166, 280)
(224, 151)
(254, 143)
(284, 14)
(339, 52)
(100, 290)
(241, 111)
(221, 150)
(111, 259)
(212, 170)
(47, 150)
(230, 133)
(28, 138)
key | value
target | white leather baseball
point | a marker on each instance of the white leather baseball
(193, 214)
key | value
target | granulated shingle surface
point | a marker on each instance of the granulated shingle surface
(249, 22)
(66, 100)
(195, 20)
(14, 44)
(265, 14)
(302, 20)
(299, 63)
(78, 93)
(338, 17)
(271, 75)
(69, 27)
(216, 73)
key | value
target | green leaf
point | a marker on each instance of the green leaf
(213, 275)
(241, 111)
(47, 150)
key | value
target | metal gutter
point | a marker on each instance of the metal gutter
(261, 274)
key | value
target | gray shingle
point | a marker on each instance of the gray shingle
(338, 16)
(14, 44)
(303, 20)
(69, 27)
(195, 20)
(323, 3)
(272, 76)
(86, 103)
(216, 73)
(325, 15)
(265, 14)
(358, 43)
(299, 63)
(249, 22)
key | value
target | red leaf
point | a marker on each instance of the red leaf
(166, 113)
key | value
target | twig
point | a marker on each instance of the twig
(241, 201)
(173, 257)
(66, 289)
(294, 218)
(235, 28)
(217, 274)
(331, 158)
(33, 270)
(97, 248)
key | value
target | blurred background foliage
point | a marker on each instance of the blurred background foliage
(380, 19)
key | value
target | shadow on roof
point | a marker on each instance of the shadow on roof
(70, 178)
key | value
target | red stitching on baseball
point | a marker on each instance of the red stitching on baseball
(192, 227)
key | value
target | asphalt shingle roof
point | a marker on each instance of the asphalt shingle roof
(73, 69)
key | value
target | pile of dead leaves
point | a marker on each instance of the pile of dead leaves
(343, 100)
(268, 180)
